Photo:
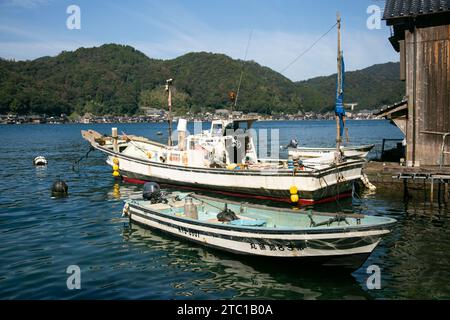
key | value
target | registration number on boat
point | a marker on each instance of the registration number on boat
(189, 232)
(275, 247)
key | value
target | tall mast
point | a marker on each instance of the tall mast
(339, 77)
(169, 103)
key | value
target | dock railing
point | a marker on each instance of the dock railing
(383, 145)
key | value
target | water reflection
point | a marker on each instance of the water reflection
(417, 248)
(41, 236)
(414, 257)
(245, 277)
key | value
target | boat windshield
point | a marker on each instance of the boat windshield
(217, 129)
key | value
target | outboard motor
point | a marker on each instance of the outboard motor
(293, 144)
(227, 215)
(152, 192)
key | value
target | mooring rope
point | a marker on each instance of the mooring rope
(91, 148)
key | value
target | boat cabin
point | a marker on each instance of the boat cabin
(227, 142)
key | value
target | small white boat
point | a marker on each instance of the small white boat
(350, 152)
(330, 239)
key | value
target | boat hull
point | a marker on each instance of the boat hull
(323, 195)
(313, 187)
(327, 183)
(347, 249)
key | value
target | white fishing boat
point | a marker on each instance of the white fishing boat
(331, 239)
(228, 164)
(315, 152)
(224, 160)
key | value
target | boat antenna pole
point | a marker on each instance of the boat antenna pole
(339, 77)
(233, 105)
(169, 103)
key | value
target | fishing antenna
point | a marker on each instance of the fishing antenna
(307, 49)
(242, 71)
(303, 53)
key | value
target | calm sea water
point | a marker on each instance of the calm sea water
(41, 236)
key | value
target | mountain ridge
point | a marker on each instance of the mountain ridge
(119, 79)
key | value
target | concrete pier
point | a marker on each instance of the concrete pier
(431, 181)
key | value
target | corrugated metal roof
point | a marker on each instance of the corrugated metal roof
(407, 8)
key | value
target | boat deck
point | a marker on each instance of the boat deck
(262, 217)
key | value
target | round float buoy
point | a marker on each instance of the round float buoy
(60, 189)
(293, 190)
(115, 167)
(40, 161)
(294, 198)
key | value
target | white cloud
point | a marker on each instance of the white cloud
(277, 49)
(274, 49)
(184, 33)
(27, 4)
(33, 50)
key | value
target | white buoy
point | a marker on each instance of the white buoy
(40, 161)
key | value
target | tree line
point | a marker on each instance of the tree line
(120, 80)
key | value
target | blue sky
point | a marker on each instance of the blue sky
(165, 29)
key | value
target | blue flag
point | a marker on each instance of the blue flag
(339, 107)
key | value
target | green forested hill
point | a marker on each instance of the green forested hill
(371, 87)
(116, 79)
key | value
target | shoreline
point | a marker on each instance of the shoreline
(190, 120)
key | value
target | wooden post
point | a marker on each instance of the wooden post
(405, 189)
(169, 103)
(446, 191)
(439, 191)
(432, 190)
(338, 134)
(115, 137)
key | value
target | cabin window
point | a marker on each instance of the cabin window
(243, 126)
(217, 129)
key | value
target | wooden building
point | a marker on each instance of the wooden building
(421, 34)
